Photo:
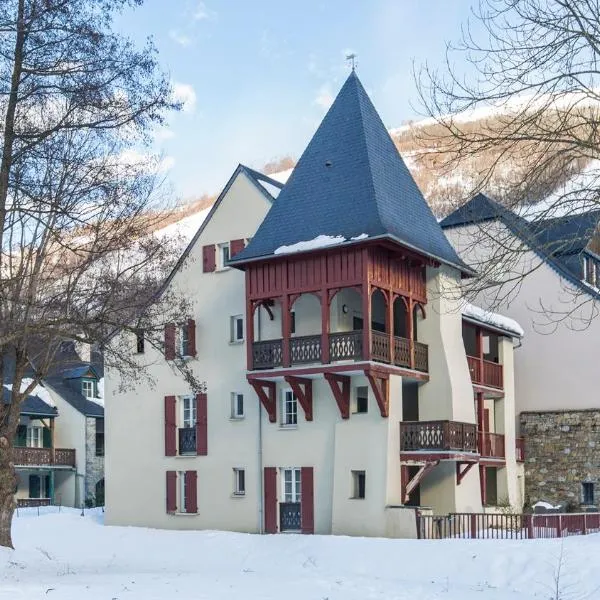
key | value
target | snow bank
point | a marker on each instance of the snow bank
(68, 557)
(40, 391)
(493, 319)
(546, 505)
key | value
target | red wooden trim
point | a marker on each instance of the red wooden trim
(340, 386)
(249, 327)
(266, 392)
(191, 491)
(409, 486)
(411, 331)
(483, 484)
(201, 424)
(209, 262)
(462, 469)
(302, 388)
(267, 306)
(171, 491)
(380, 385)
(285, 330)
(191, 327)
(325, 325)
(170, 426)
(307, 506)
(170, 341)
(270, 503)
(235, 247)
(417, 457)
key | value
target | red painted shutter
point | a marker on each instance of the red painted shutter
(191, 491)
(209, 262)
(191, 325)
(270, 500)
(201, 424)
(235, 246)
(170, 426)
(170, 341)
(307, 505)
(171, 491)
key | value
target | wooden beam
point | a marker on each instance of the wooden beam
(340, 386)
(285, 330)
(380, 385)
(266, 392)
(409, 485)
(462, 469)
(302, 388)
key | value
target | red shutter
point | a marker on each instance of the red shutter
(270, 500)
(191, 492)
(307, 505)
(201, 424)
(209, 262)
(170, 341)
(191, 325)
(171, 491)
(235, 246)
(170, 426)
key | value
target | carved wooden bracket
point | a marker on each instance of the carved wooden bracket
(267, 394)
(302, 388)
(408, 485)
(462, 468)
(379, 382)
(340, 386)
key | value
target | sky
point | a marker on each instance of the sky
(256, 77)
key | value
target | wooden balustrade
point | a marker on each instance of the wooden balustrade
(520, 448)
(380, 346)
(491, 445)
(485, 372)
(267, 354)
(43, 457)
(438, 435)
(421, 357)
(345, 346)
(305, 349)
(401, 352)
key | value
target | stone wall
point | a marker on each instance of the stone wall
(94, 465)
(562, 450)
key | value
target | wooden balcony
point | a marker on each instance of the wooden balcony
(520, 447)
(441, 436)
(491, 445)
(33, 502)
(485, 372)
(43, 457)
(343, 346)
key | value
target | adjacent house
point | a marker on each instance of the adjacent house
(555, 303)
(345, 382)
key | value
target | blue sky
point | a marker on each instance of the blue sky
(257, 76)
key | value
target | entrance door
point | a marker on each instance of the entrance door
(289, 510)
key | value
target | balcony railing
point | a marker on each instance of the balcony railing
(61, 457)
(491, 445)
(267, 354)
(485, 372)
(345, 346)
(520, 447)
(187, 440)
(442, 436)
(305, 349)
(33, 502)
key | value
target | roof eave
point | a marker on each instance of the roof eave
(486, 325)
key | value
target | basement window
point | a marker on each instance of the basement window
(359, 480)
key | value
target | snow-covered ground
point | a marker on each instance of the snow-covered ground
(68, 557)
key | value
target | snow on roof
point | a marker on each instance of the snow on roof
(186, 227)
(281, 176)
(321, 241)
(41, 392)
(492, 319)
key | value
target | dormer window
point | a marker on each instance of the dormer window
(591, 271)
(87, 388)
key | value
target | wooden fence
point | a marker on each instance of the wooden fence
(506, 526)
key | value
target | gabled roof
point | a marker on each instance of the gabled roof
(351, 181)
(83, 370)
(75, 398)
(477, 210)
(32, 406)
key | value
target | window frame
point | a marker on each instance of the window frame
(223, 264)
(292, 421)
(192, 409)
(239, 481)
(84, 384)
(181, 499)
(355, 403)
(356, 475)
(29, 441)
(588, 493)
(233, 329)
(235, 399)
(295, 487)
(183, 341)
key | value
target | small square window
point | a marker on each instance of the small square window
(358, 484)
(587, 492)
(139, 341)
(87, 388)
(224, 255)
(289, 409)
(239, 482)
(237, 328)
(237, 405)
(361, 404)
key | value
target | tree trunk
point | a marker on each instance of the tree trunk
(8, 482)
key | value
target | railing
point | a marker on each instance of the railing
(485, 372)
(401, 352)
(43, 456)
(491, 445)
(187, 440)
(33, 502)
(421, 357)
(267, 354)
(345, 346)
(380, 346)
(290, 518)
(305, 349)
(520, 448)
(506, 526)
(438, 435)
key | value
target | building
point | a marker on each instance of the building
(328, 327)
(557, 403)
(59, 447)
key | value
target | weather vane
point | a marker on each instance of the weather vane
(351, 58)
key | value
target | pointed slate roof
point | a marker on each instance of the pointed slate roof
(480, 208)
(350, 181)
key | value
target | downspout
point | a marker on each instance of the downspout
(260, 448)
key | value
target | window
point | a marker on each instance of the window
(188, 412)
(237, 405)
(181, 500)
(358, 484)
(184, 341)
(239, 482)
(293, 322)
(591, 271)
(87, 388)
(291, 485)
(99, 437)
(237, 328)
(289, 409)
(361, 404)
(224, 256)
(35, 438)
(139, 341)
(39, 486)
(587, 492)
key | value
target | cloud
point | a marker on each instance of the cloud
(324, 97)
(202, 12)
(185, 93)
(180, 38)
(160, 134)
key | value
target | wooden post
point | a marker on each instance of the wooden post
(52, 451)
(285, 329)
(390, 323)
(366, 309)
(559, 526)
(249, 326)
(530, 530)
(480, 420)
(482, 484)
(411, 332)
(473, 526)
(479, 342)
(325, 323)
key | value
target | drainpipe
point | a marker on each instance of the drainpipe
(260, 449)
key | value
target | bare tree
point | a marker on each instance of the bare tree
(79, 197)
(530, 71)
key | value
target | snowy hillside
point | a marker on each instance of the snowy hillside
(69, 557)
